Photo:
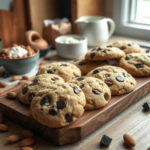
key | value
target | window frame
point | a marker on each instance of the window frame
(123, 19)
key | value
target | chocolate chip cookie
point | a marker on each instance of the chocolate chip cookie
(127, 46)
(59, 106)
(97, 93)
(64, 69)
(104, 53)
(86, 66)
(119, 81)
(137, 64)
(30, 88)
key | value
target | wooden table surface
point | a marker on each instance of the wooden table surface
(133, 121)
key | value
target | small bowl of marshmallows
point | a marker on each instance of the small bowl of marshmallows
(18, 59)
(71, 46)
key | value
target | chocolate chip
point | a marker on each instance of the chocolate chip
(109, 46)
(139, 65)
(31, 96)
(68, 117)
(146, 106)
(53, 111)
(122, 47)
(109, 83)
(106, 75)
(76, 91)
(82, 86)
(61, 104)
(106, 96)
(105, 141)
(96, 71)
(97, 92)
(54, 79)
(51, 71)
(24, 90)
(126, 74)
(128, 57)
(81, 63)
(45, 101)
(105, 51)
(120, 79)
(147, 51)
(35, 82)
(129, 44)
(98, 49)
(65, 65)
(80, 79)
(92, 55)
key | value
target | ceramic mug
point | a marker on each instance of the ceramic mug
(97, 29)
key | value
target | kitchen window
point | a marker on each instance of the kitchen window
(132, 18)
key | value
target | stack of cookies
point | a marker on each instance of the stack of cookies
(62, 91)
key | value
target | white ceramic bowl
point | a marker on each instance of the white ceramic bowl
(71, 50)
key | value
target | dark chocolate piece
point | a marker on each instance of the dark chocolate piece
(97, 92)
(54, 79)
(80, 79)
(31, 96)
(109, 83)
(53, 111)
(105, 141)
(68, 117)
(65, 65)
(128, 57)
(92, 55)
(146, 106)
(24, 90)
(120, 79)
(82, 86)
(126, 74)
(61, 104)
(106, 96)
(96, 71)
(122, 47)
(51, 71)
(139, 65)
(76, 91)
(45, 101)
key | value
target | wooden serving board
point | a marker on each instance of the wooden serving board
(89, 122)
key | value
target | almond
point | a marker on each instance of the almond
(25, 77)
(1, 118)
(14, 78)
(3, 84)
(3, 127)
(11, 95)
(26, 148)
(27, 142)
(14, 138)
(27, 133)
(129, 140)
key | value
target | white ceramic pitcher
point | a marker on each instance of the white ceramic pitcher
(96, 29)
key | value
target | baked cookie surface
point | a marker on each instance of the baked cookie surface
(104, 53)
(97, 93)
(119, 81)
(137, 64)
(29, 89)
(65, 70)
(59, 106)
(127, 46)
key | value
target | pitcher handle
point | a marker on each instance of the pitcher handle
(112, 26)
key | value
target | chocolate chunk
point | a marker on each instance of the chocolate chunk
(96, 71)
(109, 46)
(76, 91)
(68, 117)
(61, 104)
(147, 50)
(92, 55)
(106, 75)
(122, 47)
(82, 86)
(54, 79)
(109, 83)
(105, 141)
(126, 74)
(80, 79)
(139, 65)
(128, 57)
(81, 63)
(53, 111)
(120, 79)
(45, 101)
(129, 44)
(24, 90)
(35, 82)
(65, 65)
(106, 96)
(31, 96)
(97, 92)
(105, 51)
(51, 71)
(98, 49)
(146, 106)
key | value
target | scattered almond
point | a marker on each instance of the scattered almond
(21, 82)
(27, 133)
(47, 58)
(27, 142)
(26, 148)
(3, 84)
(14, 138)
(129, 140)
(25, 77)
(1, 118)
(14, 78)
(11, 95)
(3, 127)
